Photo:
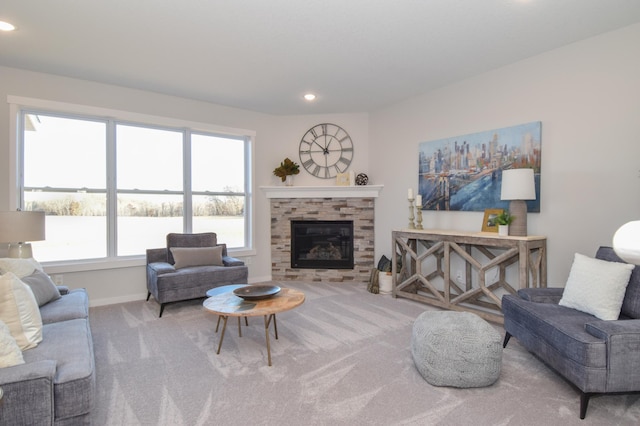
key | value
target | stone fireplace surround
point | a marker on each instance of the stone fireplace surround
(356, 203)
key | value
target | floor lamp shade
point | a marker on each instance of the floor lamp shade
(18, 227)
(626, 242)
(518, 185)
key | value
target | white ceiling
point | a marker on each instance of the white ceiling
(263, 55)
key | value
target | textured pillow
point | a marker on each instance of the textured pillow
(43, 288)
(20, 267)
(596, 286)
(10, 353)
(196, 256)
(19, 310)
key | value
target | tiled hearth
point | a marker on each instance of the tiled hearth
(322, 203)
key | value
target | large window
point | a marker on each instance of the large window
(112, 188)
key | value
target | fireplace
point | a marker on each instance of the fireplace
(322, 244)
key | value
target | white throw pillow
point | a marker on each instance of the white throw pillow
(196, 256)
(10, 353)
(596, 286)
(19, 310)
(20, 267)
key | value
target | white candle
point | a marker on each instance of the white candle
(419, 200)
(410, 194)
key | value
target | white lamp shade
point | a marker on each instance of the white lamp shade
(626, 242)
(21, 226)
(518, 184)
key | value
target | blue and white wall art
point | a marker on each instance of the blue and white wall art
(464, 173)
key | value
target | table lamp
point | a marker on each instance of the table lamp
(626, 242)
(518, 185)
(17, 227)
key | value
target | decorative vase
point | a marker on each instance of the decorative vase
(289, 180)
(385, 282)
(503, 230)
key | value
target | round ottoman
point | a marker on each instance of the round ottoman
(457, 349)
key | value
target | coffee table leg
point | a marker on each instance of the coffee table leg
(239, 327)
(275, 325)
(267, 320)
(224, 327)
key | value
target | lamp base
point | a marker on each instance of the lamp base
(518, 209)
(20, 250)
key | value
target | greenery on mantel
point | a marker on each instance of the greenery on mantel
(286, 168)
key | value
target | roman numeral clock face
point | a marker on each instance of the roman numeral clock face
(326, 150)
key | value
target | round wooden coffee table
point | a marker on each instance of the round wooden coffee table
(227, 305)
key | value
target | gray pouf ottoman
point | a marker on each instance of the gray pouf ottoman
(457, 349)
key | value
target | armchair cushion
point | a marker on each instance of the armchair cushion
(197, 256)
(206, 239)
(596, 286)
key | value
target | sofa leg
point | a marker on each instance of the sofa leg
(161, 309)
(148, 295)
(507, 336)
(584, 402)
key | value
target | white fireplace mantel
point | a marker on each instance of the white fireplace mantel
(363, 191)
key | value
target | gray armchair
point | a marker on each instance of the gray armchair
(594, 355)
(175, 274)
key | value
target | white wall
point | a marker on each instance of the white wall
(587, 96)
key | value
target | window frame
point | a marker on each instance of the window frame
(112, 117)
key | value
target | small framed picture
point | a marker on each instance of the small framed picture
(489, 222)
(342, 179)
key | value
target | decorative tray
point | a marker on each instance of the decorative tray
(257, 292)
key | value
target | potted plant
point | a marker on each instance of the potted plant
(286, 169)
(503, 220)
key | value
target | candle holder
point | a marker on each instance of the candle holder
(419, 217)
(411, 217)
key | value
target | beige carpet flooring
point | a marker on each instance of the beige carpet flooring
(342, 358)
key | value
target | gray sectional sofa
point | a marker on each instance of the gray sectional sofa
(56, 384)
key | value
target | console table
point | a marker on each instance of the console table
(466, 271)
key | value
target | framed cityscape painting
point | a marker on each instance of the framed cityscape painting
(464, 173)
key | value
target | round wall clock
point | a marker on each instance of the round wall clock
(326, 150)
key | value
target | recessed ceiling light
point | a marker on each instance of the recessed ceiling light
(309, 96)
(5, 26)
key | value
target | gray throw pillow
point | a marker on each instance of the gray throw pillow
(43, 288)
(197, 256)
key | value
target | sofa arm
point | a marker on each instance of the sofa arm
(541, 295)
(622, 338)
(160, 268)
(156, 255)
(27, 393)
(231, 261)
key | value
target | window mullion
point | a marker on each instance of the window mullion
(112, 193)
(248, 196)
(186, 167)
